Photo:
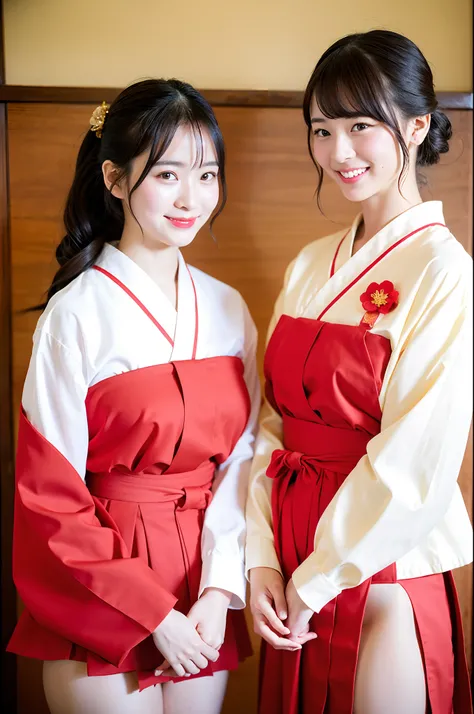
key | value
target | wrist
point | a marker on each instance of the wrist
(263, 571)
(217, 595)
(293, 594)
(165, 620)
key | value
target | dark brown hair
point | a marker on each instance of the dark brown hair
(371, 74)
(145, 116)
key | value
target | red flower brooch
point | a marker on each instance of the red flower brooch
(378, 299)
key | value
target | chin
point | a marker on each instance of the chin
(356, 195)
(176, 239)
(185, 242)
(181, 241)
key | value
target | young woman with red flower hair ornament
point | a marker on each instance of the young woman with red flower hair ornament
(354, 516)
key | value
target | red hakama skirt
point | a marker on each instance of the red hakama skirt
(99, 564)
(324, 379)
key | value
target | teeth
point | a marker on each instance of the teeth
(352, 174)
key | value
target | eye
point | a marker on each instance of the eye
(321, 132)
(360, 126)
(208, 176)
(168, 176)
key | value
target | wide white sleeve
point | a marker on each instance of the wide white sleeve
(260, 546)
(223, 536)
(54, 398)
(402, 488)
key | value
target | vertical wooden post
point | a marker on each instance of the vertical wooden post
(7, 590)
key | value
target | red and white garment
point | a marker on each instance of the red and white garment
(362, 436)
(135, 440)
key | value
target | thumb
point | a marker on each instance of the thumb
(307, 637)
(200, 629)
(162, 668)
(278, 594)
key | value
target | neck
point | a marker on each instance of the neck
(158, 260)
(379, 210)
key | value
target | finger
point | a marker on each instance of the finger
(207, 637)
(212, 641)
(178, 670)
(307, 637)
(190, 667)
(278, 595)
(200, 661)
(279, 643)
(165, 665)
(209, 652)
(167, 673)
(303, 638)
(270, 614)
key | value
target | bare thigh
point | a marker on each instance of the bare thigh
(69, 690)
(203, 695)
(390, 676)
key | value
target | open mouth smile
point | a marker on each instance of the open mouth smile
(353, 175)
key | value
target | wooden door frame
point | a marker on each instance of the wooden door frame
(7, 589)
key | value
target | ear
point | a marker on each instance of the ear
(109, 172)
(420, 127)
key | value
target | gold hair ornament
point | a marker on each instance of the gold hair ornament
(98, 118)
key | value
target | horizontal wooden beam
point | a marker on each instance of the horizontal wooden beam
(217, 97)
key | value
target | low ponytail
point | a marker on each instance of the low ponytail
(91, 217)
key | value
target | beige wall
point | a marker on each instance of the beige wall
(218, 44)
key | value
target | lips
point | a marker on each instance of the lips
(181, 222)
(353, 175)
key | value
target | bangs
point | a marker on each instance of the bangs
(166, 133)
(162, 129)
(346, 84)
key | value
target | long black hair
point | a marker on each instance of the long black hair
(373, 74)
(144, 116)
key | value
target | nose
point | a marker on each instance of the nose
(186, 198)
(342, 149)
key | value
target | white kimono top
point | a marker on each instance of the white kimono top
(92, 330)
(401, 503)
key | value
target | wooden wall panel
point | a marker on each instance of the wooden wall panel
(270, 215)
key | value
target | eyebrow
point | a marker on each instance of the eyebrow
(317, 120)
(182, 165)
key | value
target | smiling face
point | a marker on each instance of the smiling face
(360, 154)
(177, 196)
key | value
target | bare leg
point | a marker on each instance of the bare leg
(203, 695)
(69, 690)
(390, 676)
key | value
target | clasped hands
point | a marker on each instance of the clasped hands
(189, 642)
(280, 616)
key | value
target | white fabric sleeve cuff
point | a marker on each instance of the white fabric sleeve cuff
(315, 589)
(226, 573)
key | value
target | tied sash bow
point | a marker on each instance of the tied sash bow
(284, 461)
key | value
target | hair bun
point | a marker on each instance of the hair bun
(436, 141)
